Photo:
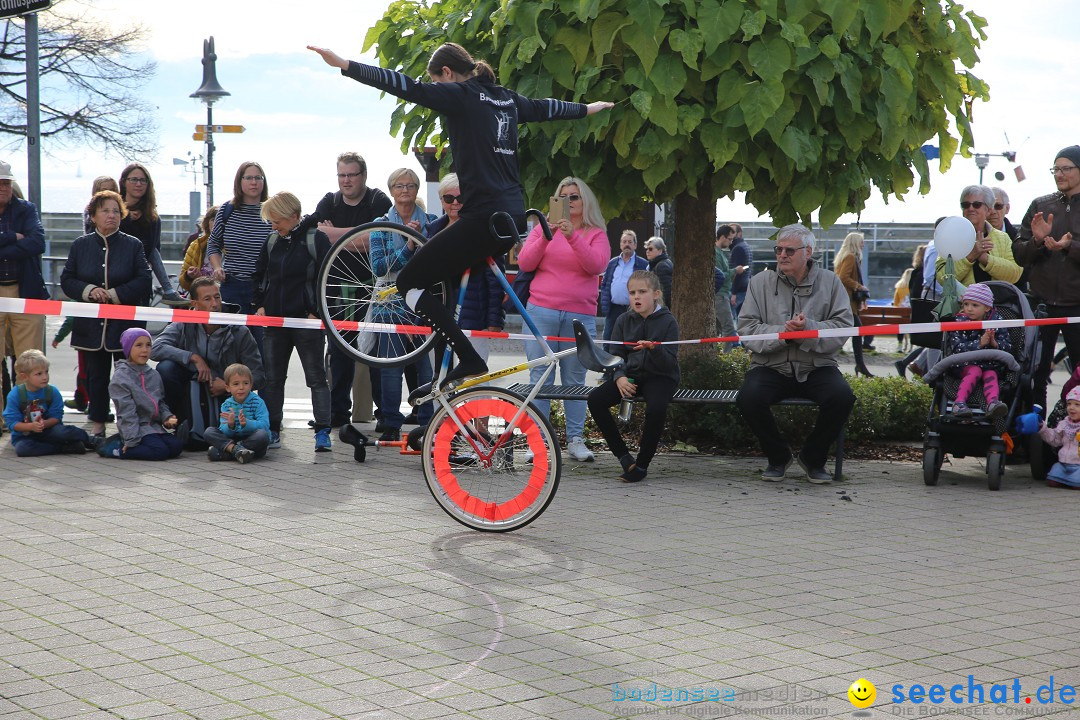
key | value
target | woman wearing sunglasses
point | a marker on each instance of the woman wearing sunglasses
(565, 289)
(991, 258)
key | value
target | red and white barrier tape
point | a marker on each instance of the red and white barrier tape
(167, 314)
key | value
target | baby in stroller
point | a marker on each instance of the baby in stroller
(978, 304)
(1065, 435)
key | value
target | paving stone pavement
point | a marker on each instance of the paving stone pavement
(292, 589)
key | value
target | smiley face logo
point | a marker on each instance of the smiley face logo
(862, 693)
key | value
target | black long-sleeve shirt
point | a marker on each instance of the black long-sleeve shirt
(481, 121)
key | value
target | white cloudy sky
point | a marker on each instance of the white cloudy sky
(300, 114)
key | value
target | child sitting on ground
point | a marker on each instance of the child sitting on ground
(244, 433)
(141, 413)
(978, 304)
(1066, 435)
(650, 369)
(35, 412)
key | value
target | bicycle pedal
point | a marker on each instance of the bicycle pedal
(386, 293)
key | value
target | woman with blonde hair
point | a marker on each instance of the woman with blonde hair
(848, 267)
(565, 289)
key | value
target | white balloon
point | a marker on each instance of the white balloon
(954, 236)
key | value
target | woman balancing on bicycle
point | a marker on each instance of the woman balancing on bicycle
(480, 119)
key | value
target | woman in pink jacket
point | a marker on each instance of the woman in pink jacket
(564, 288)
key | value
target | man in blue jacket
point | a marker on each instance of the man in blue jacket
(742, 264)
(22, 242)
(614, 297)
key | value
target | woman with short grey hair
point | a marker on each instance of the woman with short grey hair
(991, 257)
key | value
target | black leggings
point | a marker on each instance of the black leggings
(657, 392)
(465, 244)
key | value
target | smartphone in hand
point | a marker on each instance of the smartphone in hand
(558, 209)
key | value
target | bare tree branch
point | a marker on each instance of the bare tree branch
(91, 83)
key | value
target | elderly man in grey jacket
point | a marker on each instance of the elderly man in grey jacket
(797, 295)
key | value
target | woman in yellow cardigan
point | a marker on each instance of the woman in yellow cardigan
(195, 257)
(848, 267)
(991, 258)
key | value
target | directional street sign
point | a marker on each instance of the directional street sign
(220, 128)
(14, 8)
(198, 136)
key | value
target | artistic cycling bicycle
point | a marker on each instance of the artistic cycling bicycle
(490, 458)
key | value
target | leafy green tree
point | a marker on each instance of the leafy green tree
(803, 105)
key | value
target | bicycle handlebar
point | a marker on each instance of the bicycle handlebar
(540, 219)
(510, 220)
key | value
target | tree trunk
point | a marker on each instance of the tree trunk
(692, 289)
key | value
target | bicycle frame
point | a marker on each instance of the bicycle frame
(549, 359)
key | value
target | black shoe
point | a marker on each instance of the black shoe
(392, 435)
(380, 427)
(633, 474)
(901, 368)
(183, 432)
(463, 370)
(410, 419)
(75, 447)
(627, 461)
(861, 370)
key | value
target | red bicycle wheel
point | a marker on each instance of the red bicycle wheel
(493, 462)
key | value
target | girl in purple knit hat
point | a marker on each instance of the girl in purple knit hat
(141, 413)
(978, 304)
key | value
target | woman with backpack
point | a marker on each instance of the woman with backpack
(238, 237)
(284, 286)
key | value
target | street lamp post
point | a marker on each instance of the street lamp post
(209, 92)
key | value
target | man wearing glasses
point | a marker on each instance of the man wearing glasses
(798, 295)
(1046, 248)
(339, 212)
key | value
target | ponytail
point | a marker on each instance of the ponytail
(459, 60)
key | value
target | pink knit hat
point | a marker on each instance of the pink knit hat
(980, 293)
(1074, 394)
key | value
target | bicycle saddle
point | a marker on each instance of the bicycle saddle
(591, 356)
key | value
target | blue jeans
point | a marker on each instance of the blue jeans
(571, 372)
(242, 292)
(740, 297)
(391, 345)
(156, 446)
(158, 266)
(49, 441)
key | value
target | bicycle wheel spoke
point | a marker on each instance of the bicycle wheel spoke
(349, 291)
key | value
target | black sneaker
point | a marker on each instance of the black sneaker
(392, 435)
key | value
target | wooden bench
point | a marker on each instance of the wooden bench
(682, 395)
(885, 315)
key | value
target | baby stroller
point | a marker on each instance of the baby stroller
(978, 435)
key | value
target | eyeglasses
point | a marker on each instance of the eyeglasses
(999, 206)
(571, 198)
(137, 180)
(404, 186)
(254, 178)
(348, 176)
(973, 204)
(451, 199)
(1061, 169)
(788, 251)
